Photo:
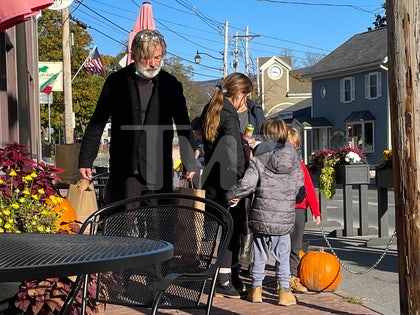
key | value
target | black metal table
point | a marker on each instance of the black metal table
(38, 256)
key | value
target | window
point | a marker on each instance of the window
(373, 85)
(347, 92)
(360, 135)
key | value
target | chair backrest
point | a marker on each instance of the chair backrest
(200, 231)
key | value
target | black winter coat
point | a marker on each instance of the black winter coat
(224, 158)
(135, 147)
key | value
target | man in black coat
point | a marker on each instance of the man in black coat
(144, 102)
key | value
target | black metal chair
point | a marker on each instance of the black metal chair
(100, 180)
(187, 281)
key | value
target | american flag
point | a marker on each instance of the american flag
(94, 64)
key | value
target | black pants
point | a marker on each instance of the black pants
(296, 238)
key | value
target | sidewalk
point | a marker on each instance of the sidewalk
(373, 292)
(309, 304)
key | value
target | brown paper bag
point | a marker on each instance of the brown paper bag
(82, 197)
(183, 224)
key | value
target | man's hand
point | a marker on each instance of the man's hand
(86, 173)
(233, 202)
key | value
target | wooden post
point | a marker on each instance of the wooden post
(403, 18)
(68, 100)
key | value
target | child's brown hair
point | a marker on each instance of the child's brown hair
(274, 130)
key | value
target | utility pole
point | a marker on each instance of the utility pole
(236, 53)
(225, 52)
(68, 102)
(403, 18)
(246, 36)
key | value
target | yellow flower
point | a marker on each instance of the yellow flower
(35, 197)
(12, 173)
(22, 200)
(1, 230)
(41, 191)
(34, 175)
(1, 181)
(7, 226)
(40, 229)
(28, 178)
(6, 211)
(44, 212)
(15, 205)
(26, 191)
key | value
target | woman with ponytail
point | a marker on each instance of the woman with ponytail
(224, 159)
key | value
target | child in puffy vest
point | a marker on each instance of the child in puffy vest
(276, 178)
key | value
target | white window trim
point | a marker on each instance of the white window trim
(352, 90)
(378, 85)
(363, 123)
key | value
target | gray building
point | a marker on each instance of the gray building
(350, 98)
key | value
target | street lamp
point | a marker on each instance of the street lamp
(197, 60)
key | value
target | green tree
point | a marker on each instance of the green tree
(195, 99)
(85, 88)
(380, 21)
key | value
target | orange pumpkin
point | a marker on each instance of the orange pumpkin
(68, 215)
(301, 254)
(319, 271)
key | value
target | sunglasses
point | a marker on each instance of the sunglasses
(154, 36)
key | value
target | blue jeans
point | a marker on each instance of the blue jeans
(279, 246)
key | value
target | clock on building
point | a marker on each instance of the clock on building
(274, 72)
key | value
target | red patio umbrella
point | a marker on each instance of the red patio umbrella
(144, 21)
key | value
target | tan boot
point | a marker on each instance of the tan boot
(286, 298)
(296, 286)
(255, 295)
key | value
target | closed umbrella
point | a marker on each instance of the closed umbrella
(144, 21)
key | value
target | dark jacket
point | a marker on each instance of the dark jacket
(135, 148)
(255, 116)
(224, 159)
(276, 176)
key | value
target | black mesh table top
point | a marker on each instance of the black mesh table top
(37, 256)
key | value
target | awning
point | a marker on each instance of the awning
(314, 122)
(362, 115)
(13, 12)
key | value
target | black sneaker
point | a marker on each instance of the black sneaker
(227, 290)
(238, 284)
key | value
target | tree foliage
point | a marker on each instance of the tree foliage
(380, 21)
(86, 88)
(195, 99)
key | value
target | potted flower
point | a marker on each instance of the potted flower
(345, 166)
(30, 204)
(384, 173)
(316, 162)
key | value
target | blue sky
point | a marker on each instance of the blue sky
(295, 27)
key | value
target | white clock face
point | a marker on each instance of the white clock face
(274, 72)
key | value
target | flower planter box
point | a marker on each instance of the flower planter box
(384, 178)
(352, 174)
